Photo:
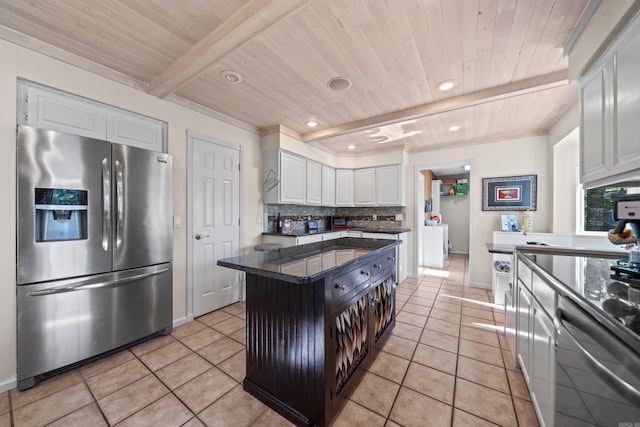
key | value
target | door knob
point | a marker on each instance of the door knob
(198, 237)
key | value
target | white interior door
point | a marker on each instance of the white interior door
(214, 228)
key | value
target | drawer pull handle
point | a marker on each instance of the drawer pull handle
(341, 287)
(365, 272)
(391, 258)
(377, 265)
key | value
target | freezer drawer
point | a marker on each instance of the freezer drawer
(67, 321)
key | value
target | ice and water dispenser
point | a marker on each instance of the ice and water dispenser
(61, 214)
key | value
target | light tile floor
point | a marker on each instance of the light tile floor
(445, 364)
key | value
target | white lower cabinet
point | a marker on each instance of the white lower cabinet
(542, 353)
(334, 235)
(536, 342)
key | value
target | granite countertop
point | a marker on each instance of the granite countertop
(585, 277)
(496, 248)
(307, 263)
(367, 230)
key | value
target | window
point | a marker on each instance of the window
(598, 207)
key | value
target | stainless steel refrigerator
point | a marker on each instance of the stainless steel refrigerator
(94, 249)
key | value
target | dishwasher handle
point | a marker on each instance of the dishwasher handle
(606, 341)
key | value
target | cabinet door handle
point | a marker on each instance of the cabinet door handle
(377, 265)
(365, 272)
(341, 287)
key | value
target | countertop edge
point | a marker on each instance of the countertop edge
(306, 279)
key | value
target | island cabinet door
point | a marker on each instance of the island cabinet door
(383, 306)
(351, 345)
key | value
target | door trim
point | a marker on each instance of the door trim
(191, 135)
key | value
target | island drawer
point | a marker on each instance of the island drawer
(348, 284)
(382, 266)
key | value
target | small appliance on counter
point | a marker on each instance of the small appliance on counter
(341, 222)
(312, 226)
(626, 210)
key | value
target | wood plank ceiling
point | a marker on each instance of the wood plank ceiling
(505, 57)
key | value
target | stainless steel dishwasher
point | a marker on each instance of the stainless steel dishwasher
(597, 372)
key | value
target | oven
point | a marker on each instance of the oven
(597, 371)
(341, 222)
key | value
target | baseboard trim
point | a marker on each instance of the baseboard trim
(8, 384)
(180, 321)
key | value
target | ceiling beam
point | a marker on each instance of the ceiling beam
(522, 87)
(256, 17)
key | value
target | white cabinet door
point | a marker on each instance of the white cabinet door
(389, 188)
(65, 113)
(524, 333)
(293, 182)
(344, 187)
(332, 236)
(314, 183)
(313, 238)
(542, 353)
(594, 152)
(625, 155)
(132, 129)
(365, 187)
(328, 186)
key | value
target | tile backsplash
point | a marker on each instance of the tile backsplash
(362, 217)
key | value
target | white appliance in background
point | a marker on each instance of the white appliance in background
(94, 249)
(435, 245)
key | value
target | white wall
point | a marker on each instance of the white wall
(566, 183)
(455, 212)
(20, 62)
(525, 156)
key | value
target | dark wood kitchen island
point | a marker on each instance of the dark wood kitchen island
(314, 315)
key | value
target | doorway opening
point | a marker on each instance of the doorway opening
(443, 213)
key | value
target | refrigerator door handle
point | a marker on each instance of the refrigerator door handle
(106, 204)
(617, 383)
(96, 285)
(119, 203)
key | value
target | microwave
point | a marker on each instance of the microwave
(341, 222)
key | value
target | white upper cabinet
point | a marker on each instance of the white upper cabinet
(328, 186)
(47, 108)
(293, 173)
(135, 130)
(609, 112)
(61, 112)
(365, 187)
(314, 183)
(594, 155)
(380, 186)
(626, 145)
(344, 187)
(390, 185)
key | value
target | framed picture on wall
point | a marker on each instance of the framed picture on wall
(510, 193)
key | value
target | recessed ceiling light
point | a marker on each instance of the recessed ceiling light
(312, 124)
(351, 147)
(339, 83)
(447, 85)
(455, 128)
(467, 167)
(231, 76)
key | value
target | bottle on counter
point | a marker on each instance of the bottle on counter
(278, 224)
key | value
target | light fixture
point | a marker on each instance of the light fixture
(351, 147)
(467, 167)
(339, 83)
(455, 128)
(447, 85)
(311, 123)
(231, 76)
